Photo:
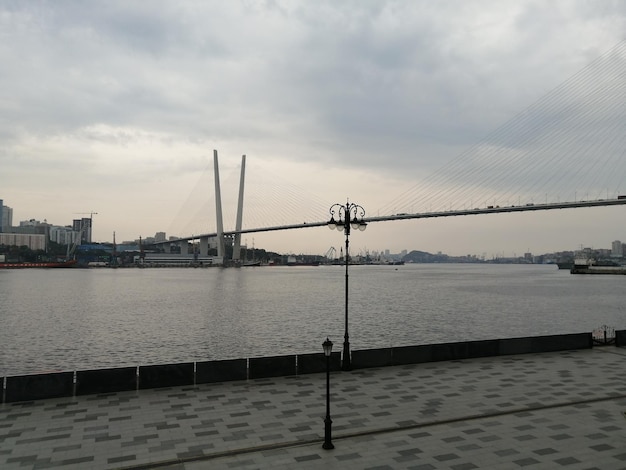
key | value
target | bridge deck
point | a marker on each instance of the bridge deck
(428, 215)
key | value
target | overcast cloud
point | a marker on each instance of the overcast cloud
(116, 107)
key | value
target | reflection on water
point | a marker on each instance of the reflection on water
(81, 319)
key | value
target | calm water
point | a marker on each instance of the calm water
(80, 319)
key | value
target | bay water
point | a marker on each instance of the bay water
(76, 319)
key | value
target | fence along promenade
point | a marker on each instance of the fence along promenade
(86, 382)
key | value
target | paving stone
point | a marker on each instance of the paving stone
(551, 410)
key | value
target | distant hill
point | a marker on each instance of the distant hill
(417, 256)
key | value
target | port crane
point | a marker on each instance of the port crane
(330, 254)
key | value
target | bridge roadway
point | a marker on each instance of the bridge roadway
(620, 200)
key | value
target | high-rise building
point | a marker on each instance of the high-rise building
(7, 217)
(63, 235)
(617, 251)
(84, 227)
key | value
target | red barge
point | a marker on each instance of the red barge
(42, 264)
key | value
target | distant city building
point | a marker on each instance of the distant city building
(63, 235)
(31, 226)
(3, 222)
(160, 237)
(30, 233)
(31, 240)
(7, 216)
(30, 223)
(539, 259)
(84, 227)
(58, 234)
(617, 249)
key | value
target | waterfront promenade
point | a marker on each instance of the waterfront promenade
(547, 410)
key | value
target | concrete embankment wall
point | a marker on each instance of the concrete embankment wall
(86, 382)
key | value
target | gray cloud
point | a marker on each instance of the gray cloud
(394, 87)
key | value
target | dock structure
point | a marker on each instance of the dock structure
(559, 409)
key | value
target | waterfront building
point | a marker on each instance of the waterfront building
(63, 235)
(31, 226)
(30, 233)
(7, 216)
(83, 226)
(617, 249)
(31, 240)
(31, 223)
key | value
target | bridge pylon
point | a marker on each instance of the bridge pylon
(218, 209)
(237, 238)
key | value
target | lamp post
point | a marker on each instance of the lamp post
(349, 215)
(328, 349)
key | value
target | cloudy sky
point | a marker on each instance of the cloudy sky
(116, 107)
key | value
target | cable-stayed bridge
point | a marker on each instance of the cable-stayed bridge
(567, 150)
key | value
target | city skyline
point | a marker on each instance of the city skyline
(120, 106)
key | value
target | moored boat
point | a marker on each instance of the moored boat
(585, 266)
(303, 263)
(293, 261)
(251, 264)
(42, 264)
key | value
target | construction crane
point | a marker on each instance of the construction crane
(91, 214)
(330, 254)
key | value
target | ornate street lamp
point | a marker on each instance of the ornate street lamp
(349, 216)
(328, 349)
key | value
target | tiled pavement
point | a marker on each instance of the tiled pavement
(551, 410)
